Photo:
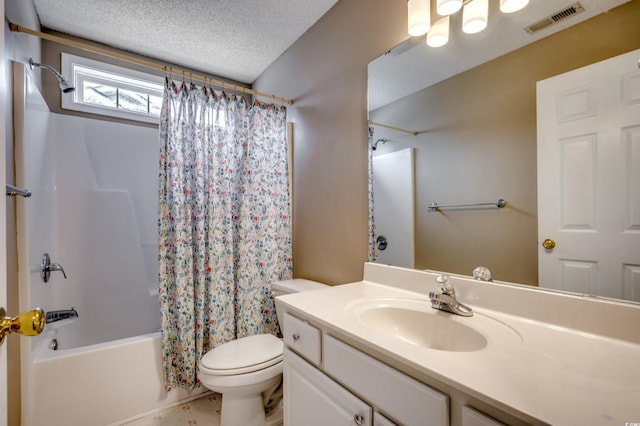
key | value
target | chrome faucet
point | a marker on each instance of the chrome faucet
(46, 267)
(446, 299)
(55, 316)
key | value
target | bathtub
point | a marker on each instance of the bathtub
(99, 384)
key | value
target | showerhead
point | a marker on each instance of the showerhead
(65, 85)
(374, 145)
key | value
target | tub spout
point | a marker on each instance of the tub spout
(55, 316)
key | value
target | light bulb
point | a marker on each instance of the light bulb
(438, 35)
(448, 7)
(510, 6)
(419, 17)
(474, 16)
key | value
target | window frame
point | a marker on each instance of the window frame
(79, 69)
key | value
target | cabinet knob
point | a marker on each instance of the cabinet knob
(295, 337)
(358, 419)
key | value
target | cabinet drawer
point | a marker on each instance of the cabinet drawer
(471, 417)
(401, 397)
(380, 420)
(302, 337)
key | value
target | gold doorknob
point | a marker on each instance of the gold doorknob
(548, 244)
(30, 323)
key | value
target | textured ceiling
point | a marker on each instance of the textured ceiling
(236, 39)
(413, 66)
(239, 39)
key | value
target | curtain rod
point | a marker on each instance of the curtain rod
(393, 128)
(219, 83)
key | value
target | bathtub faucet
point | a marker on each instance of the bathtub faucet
(46, 267)
(54, 316)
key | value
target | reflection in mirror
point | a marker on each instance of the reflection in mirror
(476, 142)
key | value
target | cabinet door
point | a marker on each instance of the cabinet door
(313, 399)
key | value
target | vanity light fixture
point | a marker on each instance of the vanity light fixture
(510, 6)
(448, 7)
(438, 35)
(419, 17)
(475, 17)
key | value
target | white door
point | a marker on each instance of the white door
(3, 229)
(589, 179)
(393, 206)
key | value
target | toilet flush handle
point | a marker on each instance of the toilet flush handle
(295, 337)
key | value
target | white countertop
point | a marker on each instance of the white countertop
(553, 374)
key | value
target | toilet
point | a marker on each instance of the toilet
(248, 371)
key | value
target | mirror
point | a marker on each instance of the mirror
(476, 138)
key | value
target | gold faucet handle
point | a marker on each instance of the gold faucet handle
(30, 323)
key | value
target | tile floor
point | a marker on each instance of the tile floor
(202, 411)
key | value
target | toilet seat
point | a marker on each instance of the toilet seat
(244, 355)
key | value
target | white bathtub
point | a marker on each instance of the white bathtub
(99, 384)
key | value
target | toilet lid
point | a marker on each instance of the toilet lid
(260, 350)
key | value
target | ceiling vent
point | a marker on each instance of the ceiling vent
(559, 16)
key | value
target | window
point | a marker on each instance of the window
(112, 90)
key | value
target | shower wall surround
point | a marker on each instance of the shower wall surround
(94, 210)
(106, 186)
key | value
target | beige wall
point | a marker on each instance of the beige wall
(325, 73)
(479, 144)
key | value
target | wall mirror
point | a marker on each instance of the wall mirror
(465, 116)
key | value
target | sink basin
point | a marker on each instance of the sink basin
(414, 322)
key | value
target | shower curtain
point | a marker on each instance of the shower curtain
(373, 252)
(224, 227)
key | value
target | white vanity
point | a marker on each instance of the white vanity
(376, 353)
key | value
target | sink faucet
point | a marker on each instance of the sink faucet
(446, 299)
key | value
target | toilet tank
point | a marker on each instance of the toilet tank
(296, 285)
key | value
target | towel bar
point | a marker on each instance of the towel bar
(500, 203)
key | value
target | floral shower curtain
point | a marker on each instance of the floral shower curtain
(373, 252)
(224, 227)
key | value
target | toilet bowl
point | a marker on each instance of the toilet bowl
(248, 371)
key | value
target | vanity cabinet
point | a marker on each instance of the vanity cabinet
(341, 385)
